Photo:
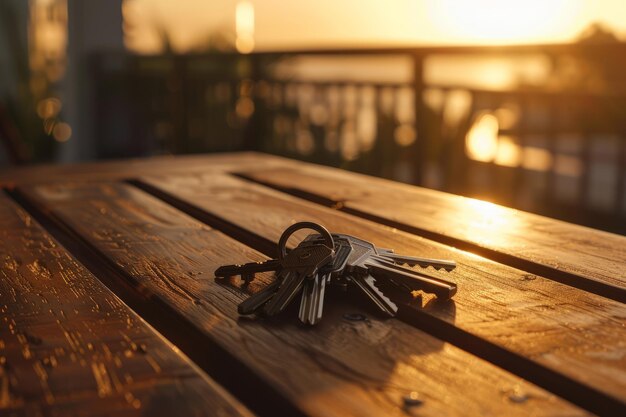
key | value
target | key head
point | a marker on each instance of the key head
(362, 250)
(282, 242)
(307, 260)
(342, 248)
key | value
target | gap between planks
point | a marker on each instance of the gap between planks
(603, 289)
(69, 346)
(583, 395)
(227, 371)
(359, 369)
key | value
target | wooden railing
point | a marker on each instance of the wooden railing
(561, 152)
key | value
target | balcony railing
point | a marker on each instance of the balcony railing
(555, 146)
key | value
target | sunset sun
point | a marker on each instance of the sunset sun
(493, 21)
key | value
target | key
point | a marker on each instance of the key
(302, 263)
(409, 278)
(247, 271)
(312, 301)
(367, 284)
(293, 271)
(253, 303)
(409, 260)
(404, 259)
(365, 260)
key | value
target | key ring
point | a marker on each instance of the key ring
(282, 243)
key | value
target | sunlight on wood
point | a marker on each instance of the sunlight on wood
(489, 223)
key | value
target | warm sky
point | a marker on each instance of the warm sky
(360, 23)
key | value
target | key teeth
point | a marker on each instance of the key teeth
(436, 268)
(423, 265)
(426, 266)
(382, 293)
(376, 288)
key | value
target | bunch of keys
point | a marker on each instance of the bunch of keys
(323, 258)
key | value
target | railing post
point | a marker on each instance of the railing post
(620, 201)
(420, 150)
(252, 135)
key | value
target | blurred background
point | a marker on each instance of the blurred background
(518, 103)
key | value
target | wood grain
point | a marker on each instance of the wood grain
(69, 347)
(338, 368)
(560, 328)
(589, 258)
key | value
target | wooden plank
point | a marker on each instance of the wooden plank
(338, 368)
(564, 331)
(68, 346)
(586, 258)
(130, 168)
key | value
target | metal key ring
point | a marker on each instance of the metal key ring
(282, 243)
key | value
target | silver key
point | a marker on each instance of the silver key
(365, 260)
(364, 282)
(312, 302)
(367, 284)
(409, 278)
(256, 301)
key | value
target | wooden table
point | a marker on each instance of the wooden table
(109, 304)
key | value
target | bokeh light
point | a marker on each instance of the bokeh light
(482, 139)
